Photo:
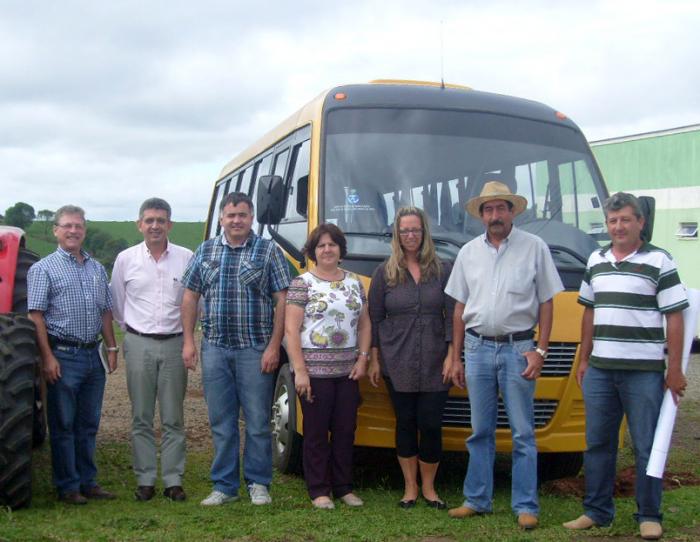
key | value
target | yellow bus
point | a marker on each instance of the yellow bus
(356, 153)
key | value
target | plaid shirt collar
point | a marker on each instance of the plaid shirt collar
(248, 242)
(68, 256)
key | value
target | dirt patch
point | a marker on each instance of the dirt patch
(624, 483)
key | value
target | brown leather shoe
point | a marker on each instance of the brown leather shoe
(175, 493)
(462, 512)
(97, 493)
(527, 521)
(72, 497)
(144, 493)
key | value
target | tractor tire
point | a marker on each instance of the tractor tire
(286, 442)
(18, 362)
(25, 259)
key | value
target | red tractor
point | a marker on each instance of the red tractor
(22, 418)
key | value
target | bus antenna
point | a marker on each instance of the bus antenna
(442, 57)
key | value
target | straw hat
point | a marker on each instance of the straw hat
(496, 190)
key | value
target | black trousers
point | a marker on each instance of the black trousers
(418, 413)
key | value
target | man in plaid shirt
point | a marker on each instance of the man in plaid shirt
(70, 305)
(243, 281)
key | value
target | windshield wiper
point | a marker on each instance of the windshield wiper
(368, 234)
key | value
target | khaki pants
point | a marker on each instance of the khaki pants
(154, 369)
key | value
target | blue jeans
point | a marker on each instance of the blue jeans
(233, 379)
(608, 394)
(74, 406)
(491, 367)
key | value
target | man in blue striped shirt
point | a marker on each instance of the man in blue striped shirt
(628, 289)
(70, 304)
(243, 281)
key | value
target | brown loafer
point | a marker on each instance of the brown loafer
(527, 521)
(97, 493)
(175, 493)
(462, 512)
(144, 493)
(72, 497)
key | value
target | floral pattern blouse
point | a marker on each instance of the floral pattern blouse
(329, 329)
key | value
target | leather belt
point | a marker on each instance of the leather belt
(56, 341)
(517, 336)
(156, 336)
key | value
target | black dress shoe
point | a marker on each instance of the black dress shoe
(175, 493)
(72, 497)
(407, 504)
(144, 493)
(96, 492)
(437, 504)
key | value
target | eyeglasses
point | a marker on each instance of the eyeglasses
(78, 227)
(412, 231)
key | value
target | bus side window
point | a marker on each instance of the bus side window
(296, 198)
(245, 179)
(294, 226)
(221, 190)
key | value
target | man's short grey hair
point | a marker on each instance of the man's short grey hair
(234, 198)
(622, 199)
(68, 210)
(157, 204)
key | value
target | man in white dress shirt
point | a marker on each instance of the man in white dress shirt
(147, 295)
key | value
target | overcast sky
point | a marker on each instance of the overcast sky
(103, 104)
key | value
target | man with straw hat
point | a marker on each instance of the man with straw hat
(504, 282)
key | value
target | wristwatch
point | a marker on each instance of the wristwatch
(112, 349)
(541, 352)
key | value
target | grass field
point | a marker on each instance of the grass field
(291, 517)
(188, 234)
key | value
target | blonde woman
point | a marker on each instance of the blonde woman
(411, 348)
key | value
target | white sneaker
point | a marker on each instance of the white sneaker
(217, 498)
(259, 494)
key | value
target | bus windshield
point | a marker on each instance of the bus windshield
(379, 159)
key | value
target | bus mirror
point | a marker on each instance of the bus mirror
(270, 204)
(648, 205)
(302, 195)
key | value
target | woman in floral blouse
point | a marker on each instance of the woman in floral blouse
(328, 334)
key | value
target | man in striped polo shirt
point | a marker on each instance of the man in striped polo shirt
(627, 290)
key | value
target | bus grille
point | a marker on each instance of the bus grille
(458, 412)
(560, 359)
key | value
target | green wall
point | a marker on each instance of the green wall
(664, 161)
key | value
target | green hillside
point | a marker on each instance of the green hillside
(189, 234)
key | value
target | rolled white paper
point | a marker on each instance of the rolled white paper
(667, 416)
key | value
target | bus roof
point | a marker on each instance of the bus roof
(402, 94)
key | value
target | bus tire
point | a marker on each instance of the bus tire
(286, 441)
(18, 361)
(552, 466)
